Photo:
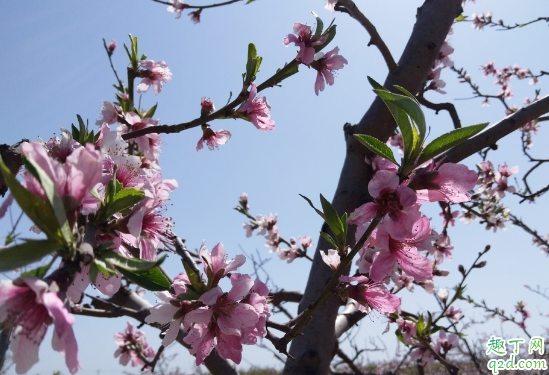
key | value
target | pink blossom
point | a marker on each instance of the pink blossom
(147, 228)
(72, 179)
(306, 242)
(176, 7)
(206, 106)
(332, 259)
(148, 145)
(405, 252)
(330, 5)
(5, 205)
(213, 138)
(449, 183)
(446, 343)
(370, 295)
(392, 201)
(396, 141)
(195, 16)
(257, 111)
(171, 310)
(442, 248)
(448, 217)
(453, 313)
(28, 306)
(407, 328)
(155, 74)
(436, 83)
(215, 264)
(132, 345)
(445, 51)
(303, 39)
(380, 163)
(109, 113)
(325, 64)
(225, 318)
(106, 285)
(423, 356)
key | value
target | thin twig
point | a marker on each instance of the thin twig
(349, 7)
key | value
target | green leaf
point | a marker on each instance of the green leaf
(332, 219)
(319, 26)
(460, 18)
(37, 209)
(28, 252)
(188, 296)
(408, 105)
(151, 111)
(124, 199)
(195, 280)
(378, 147)
(449, 140)
(320, 213)
(130, 264)
(102, 267)
(153, 279)
(329, 238)
(290, 72)
(253, 64)
(39, 272)
(331, 31)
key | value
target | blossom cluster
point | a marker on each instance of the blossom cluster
(324, 63)
(492, 186)
(213, 318)
(395, 249)
(442, 61)
(132, 346)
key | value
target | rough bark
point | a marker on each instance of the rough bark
(314, 350)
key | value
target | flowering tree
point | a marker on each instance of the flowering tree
(99, 202)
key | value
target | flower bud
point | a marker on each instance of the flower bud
(111, 46)
(443, 294)
(206, 106)
(480, 264)
(461, 269)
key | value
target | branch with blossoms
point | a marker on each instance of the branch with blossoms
(266, 226)
(256, 110)
(480, 20)
(520, 308)
(177, 6)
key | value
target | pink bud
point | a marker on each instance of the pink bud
(111, 46)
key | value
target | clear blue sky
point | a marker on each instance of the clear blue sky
(54, 67)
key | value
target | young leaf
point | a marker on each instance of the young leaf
(320, 213)
(103, 268)
(188, 296)
(449, 140)
(130, 264)
(319, 26)
(39, 272)
(329, 238)
(37, 209)
(331, 31)
(378, 147)
(153, 279)
(253, 64)
(332, 219)
(195, 280)
(25, 253)
(151, 111)
(123, 199)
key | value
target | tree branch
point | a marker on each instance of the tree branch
(499, 130)
(349, 7)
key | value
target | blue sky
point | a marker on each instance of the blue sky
(55, 67)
